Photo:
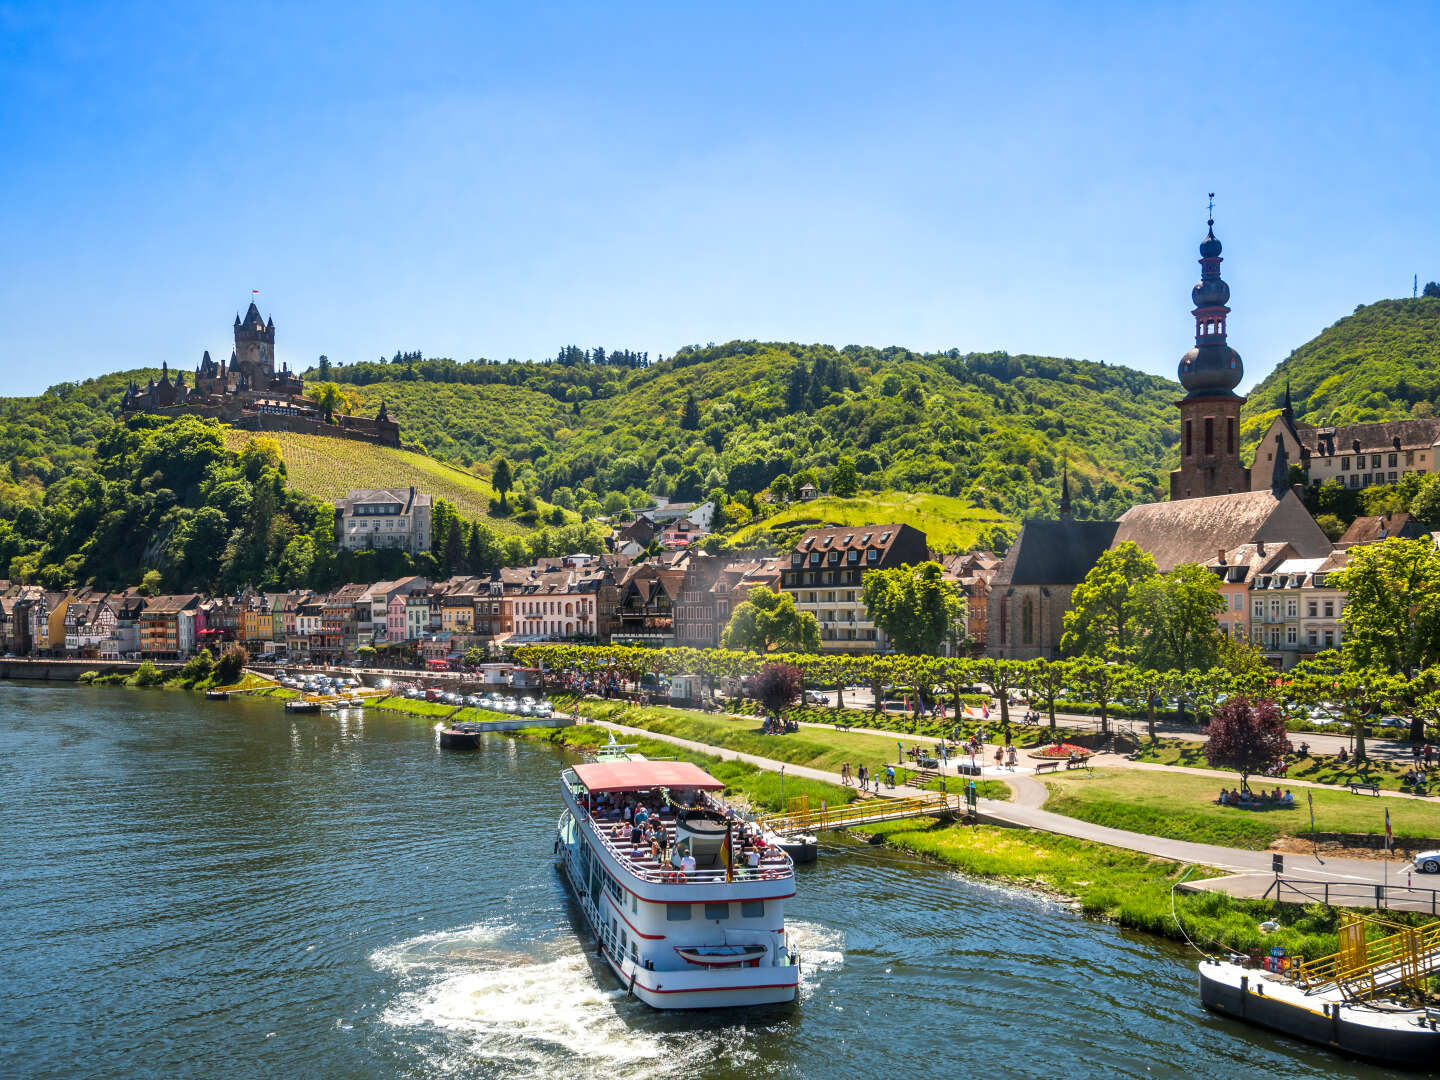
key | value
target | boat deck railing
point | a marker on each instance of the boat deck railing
(774, 865)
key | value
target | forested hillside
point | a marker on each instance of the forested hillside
(991, 429)
(1380, 363)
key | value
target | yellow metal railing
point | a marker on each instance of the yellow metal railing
(802, 817)
(1410, 953)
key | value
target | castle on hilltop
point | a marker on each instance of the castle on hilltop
(247, 392)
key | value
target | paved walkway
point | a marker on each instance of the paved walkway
(1025, 811)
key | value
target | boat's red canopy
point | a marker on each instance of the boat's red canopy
(644, 775)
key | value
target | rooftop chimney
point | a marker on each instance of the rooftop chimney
(1260, 547)
(1221, 557)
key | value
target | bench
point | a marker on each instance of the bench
(1047, 766)
(1358, 786)
(1078, 763)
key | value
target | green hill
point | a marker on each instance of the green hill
(992, 430)
(949, 524)
(1380, 363)
(327, 468)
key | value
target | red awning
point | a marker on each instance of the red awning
(644, 775)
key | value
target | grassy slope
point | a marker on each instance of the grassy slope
(1182, 807)
(948, 523)
(1371, 365)
(816, 749)
(328, 468)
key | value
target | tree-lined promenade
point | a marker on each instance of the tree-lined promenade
(1327, 687)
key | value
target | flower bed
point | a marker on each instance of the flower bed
(1060, 750)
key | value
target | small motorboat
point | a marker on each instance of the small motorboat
(722, 955)
(216, 695)
(299, 705)
(801, 847)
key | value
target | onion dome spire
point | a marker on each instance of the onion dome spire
(1212, 368)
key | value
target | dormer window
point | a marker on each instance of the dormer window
(814, 558)
(873, 555)
(853, 555)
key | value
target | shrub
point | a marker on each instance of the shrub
(231, 665)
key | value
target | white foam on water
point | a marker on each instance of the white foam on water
(821, 949)
(531, 1011)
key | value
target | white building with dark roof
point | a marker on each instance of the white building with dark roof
(383, 518)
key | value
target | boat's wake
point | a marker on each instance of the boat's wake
(490, 999)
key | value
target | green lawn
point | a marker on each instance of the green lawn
(436, 709)
(948, 523)
(760, 789)
(1182, 807)
(819, 749)
(1316, 769)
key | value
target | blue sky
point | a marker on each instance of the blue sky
(498, 181)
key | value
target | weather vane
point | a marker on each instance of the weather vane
(1212, 208)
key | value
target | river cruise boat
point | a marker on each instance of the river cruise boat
(694, 920)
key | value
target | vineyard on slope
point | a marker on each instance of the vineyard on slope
(328, 468)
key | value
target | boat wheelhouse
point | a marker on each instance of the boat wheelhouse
(686, 900)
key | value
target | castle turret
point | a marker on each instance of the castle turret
(255, 347)
(1210, 410)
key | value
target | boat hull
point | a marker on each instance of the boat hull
(459, 740)
(691, 988)
(1392, 1038)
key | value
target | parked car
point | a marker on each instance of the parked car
(816, 697)
(1392, 722)
(1427, 862)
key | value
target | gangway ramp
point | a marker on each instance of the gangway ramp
(802, 817)
(1361, 969)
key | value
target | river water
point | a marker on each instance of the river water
(197, 889)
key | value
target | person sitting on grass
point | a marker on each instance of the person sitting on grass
(1288, 799)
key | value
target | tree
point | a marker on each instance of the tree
(197, 668)
(1425, 506)
(844, 479)
(231, 665)
(1103, 683)
(322, 368)
(1106, 608)
(1432, 288)
(1178, 613)
(1331, 683)
(1045, 681)
(1392, 610)
(1248, 736)
(501, 479)
(914, 605)
(777, 686)
(769, 620)
(150, 583)
(780, 488)
(690, 414)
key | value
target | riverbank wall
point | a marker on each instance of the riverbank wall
(71, 670)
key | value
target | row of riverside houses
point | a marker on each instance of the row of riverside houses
(677, 598)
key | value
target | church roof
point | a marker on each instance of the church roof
(1054, 552)
(1193, 530)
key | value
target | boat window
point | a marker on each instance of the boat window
(677, 912)
(634, 903)
(752, 909)
(717, 911)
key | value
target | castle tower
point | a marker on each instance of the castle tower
(255, 348)
(1210, 410)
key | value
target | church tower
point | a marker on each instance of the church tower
(1210, 410)
(255, 348)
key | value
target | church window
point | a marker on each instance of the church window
(1004, 620)
(1230, 435)
(1188, 449)
(1027, 622)
(1209, 435)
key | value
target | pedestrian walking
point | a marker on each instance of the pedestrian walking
(999, 756)
(1010, 758)
(862, 776)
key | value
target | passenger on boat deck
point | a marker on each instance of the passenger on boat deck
(637, 836)
(687, 864)
(641, 815)
(752, 859)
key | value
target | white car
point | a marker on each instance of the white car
(1392, 722)
(1427, 862)
(815, 697)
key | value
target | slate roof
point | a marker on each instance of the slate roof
(1372, 529)
(1193, 530)
(1383, 437)
(1054, 552)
